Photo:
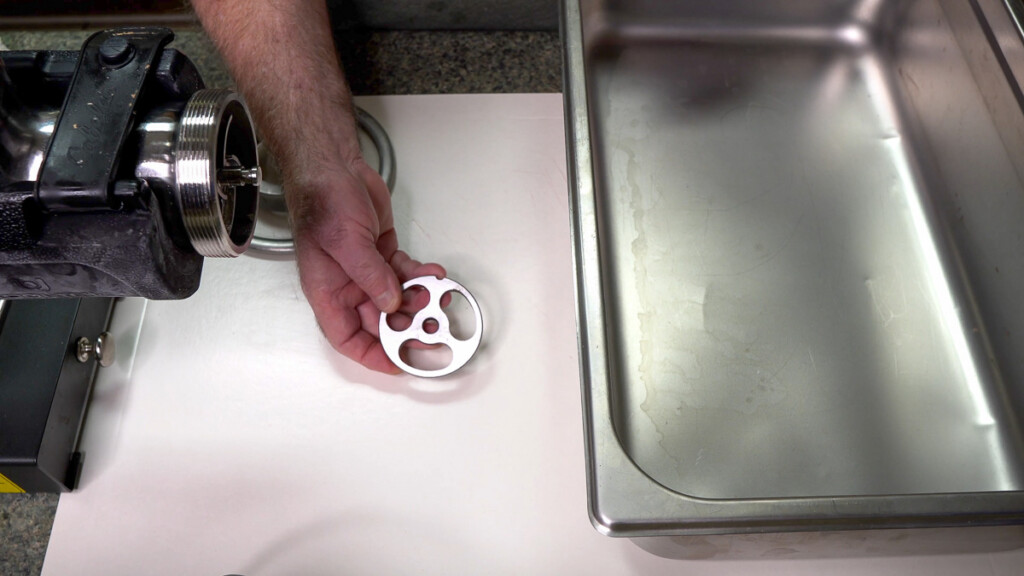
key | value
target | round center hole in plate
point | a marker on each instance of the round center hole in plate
(430, 326)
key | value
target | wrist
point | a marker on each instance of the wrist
(322, 151)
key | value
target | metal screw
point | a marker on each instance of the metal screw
(240, 176)
(102, 350)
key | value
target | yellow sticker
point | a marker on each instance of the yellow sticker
(8, 487)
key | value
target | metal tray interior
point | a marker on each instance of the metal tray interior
(809, 251)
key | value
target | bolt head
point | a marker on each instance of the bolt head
(105, 349)
(116, 51)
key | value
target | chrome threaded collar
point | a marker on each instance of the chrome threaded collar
(217, 173)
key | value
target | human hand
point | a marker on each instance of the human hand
(345, 241)
(350, 266)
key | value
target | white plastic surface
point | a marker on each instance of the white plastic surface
(240, 443)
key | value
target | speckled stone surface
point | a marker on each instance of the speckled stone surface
(452, 63)
(376, 63)
(414, 62)
(25, 522)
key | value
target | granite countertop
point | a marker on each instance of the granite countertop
(407, 62)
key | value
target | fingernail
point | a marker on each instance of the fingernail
(387, 302)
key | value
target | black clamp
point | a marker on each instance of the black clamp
(80, 172)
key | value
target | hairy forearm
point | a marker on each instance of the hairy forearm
(281, 54)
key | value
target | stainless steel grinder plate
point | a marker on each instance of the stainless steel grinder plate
(462, 350)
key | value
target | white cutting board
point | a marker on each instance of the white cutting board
(239, 443)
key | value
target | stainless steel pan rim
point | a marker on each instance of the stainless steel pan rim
(625, 497)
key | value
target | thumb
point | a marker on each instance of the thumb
(365, 265)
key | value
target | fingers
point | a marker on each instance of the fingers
(387, 244)
(369, 352)
(351, 219)
(352, 269)
(407, 268)
(379, 195)
(338, 305)
(357, 253)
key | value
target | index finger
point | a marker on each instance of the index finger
(336, 302)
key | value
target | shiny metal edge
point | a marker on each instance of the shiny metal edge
(1005, 21)
(1003, 37)
(583, 234)
(625, 502)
